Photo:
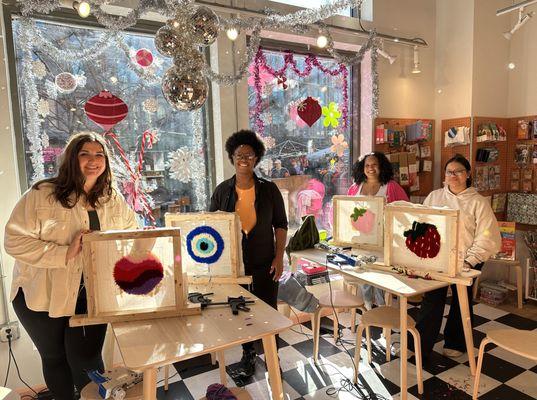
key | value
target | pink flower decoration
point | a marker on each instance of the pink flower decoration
(339, 145)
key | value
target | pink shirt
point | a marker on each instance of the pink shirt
(394, 191)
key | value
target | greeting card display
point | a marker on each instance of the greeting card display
(210, 246)
(422, 239)
(133, 275)
(358, 221)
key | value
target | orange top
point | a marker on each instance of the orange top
(245, 208)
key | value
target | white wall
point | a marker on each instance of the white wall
(491, 52)
(403, 94)
(522, 98)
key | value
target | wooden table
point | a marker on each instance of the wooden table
(146, 345)
(404, 287)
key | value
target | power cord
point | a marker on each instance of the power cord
(346, 384)
(12, 355)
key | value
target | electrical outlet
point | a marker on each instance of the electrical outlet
(11, 328)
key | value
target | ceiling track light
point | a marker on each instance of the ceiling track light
(522, 20)
(83, 8)
(383, 53)
(416, 69)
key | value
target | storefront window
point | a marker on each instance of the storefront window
(53, 91)
(309, 163)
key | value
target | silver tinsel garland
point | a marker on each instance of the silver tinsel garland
(296, 22)
(31, 97)
(200, 183)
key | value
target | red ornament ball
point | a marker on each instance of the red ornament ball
(106, 110)
(144, 58)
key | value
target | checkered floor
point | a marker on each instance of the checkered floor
(505, 375)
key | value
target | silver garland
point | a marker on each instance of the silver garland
(298, 22)
(374, 81)
(229, 80)
(200, 188)
(31, 95)
(60, 55)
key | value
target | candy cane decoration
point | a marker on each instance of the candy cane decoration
(148, 139)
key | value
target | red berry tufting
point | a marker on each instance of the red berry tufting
(423, 240)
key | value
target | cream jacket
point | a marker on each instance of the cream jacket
(38, 235)
(478, 233)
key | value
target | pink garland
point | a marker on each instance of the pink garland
(260, 63)
(135, 196)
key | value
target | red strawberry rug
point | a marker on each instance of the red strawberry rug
(423, 240)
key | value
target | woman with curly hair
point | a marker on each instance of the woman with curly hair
(261, 210)
(44, 235)
(373, 176)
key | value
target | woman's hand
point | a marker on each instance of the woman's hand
(76, 245)
(277, 268)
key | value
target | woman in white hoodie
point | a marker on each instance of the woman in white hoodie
(479, 238)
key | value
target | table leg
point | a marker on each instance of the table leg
(150, 384)
(271, 358)
(462, 292)
(222, 367)
(404, 348)
(519, 289)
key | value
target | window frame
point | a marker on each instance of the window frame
(68, 17)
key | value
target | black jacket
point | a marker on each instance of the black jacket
(258, 248)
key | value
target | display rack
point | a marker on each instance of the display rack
(426, 178)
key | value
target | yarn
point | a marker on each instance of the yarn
(217, 391)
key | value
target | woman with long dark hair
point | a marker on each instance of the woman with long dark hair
(373, 176)
(479, 239)
(44, 235)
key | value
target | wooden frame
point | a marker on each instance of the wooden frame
(107, 302)
(227, 269)
(399, 216)
(342, 226)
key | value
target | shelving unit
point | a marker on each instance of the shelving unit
(426, 178)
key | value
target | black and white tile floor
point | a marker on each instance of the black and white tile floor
(505, 375)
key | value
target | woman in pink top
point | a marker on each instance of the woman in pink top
(373, 176)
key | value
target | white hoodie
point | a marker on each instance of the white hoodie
(478, 233)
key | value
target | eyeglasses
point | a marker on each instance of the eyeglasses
(457, 172)
(248, 157)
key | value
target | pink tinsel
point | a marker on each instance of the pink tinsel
(260, 68)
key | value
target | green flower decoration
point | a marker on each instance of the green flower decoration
(331, 115)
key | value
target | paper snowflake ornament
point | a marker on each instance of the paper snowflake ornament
(184, 164)
(43, 107)
(339, 145)
(331, 115)
(150, 105)
(39, 69)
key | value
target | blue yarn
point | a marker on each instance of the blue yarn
(218, 242)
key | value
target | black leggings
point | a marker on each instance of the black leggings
(66, 353)
(265, 289)
(430, 318)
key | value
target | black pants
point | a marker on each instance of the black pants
(66, 353)
(265, 289)
(430, 317)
